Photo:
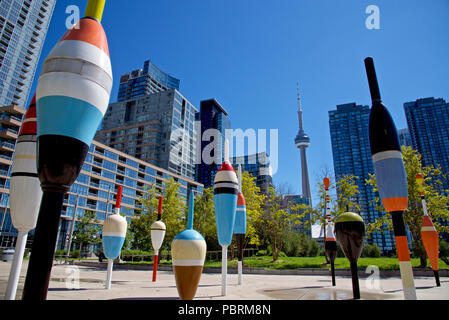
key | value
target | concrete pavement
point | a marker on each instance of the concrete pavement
(71, 282)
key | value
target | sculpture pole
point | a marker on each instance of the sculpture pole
(72, 97)
(188, 254)
(225, 201)
(429, 234)
(330, 244)
(24, 183)
(157, 237)
(350, 232)
(390, 175)
(114, 234)
(240, 227)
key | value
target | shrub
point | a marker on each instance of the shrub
(60, 252)
(261, 253)
(300, 245)
(444, 251)
(371, 251)
(75, 254)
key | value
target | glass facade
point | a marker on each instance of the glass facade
(158, 128)
(23, 28)
(96, 189)
(352, 156)
(428, 124)
(258, 165)
(145, 81)
(211, 116)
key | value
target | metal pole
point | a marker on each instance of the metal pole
(16, 267)
(224, 270)
(71, 229)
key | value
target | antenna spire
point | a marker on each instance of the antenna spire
(299, 98)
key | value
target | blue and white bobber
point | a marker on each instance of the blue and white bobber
(114, 234)
(225, 200)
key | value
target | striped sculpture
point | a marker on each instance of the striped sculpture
(330, 244)
(390, 175)
(188, 251)
(113, 236)
(24, 183)
(240, 226)
(157, 237)
(72, 96)
(429, 234)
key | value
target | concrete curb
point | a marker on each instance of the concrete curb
(417, 272)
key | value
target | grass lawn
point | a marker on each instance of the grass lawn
(311, 262)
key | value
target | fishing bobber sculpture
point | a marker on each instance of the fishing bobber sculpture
(113, 236)
(26, 193)
(240, 227)
(429, 234)
(330, 244)
(390, 175)
(188, 251)
(157, 237)
(225, 201)
(350, 232)
(72, 97)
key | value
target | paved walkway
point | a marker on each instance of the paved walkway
(87, 283)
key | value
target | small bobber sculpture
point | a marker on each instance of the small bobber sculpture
(330, 244)
(188, 251)
(157, 237)
(225, 201)
(72, 96)
(429, 234)
(391, 177)
(25, 194)
(240, 227)
(350, 232)
(114, 234)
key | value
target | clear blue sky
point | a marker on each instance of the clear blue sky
(249, 54)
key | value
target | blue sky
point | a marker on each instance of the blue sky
(249, 55)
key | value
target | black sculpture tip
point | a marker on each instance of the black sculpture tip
(372, 79)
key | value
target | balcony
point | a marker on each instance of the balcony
(7, 146)
(13, 109)
(10, 120)
(9, 134)
(3, 173)
(5, 160)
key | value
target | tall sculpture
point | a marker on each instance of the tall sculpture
(157, 237)
(188, 251)
(26, 193)
(330, 244)
(240, 226)
(72, 96)
(429, 234)
(390, 175)
(225, 201)
(350, 232)
(113, 236)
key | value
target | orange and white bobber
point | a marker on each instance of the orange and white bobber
(114, 234)
(25, 193)
(429, 234)
(157, 237)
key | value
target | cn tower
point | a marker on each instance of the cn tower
(302, 142)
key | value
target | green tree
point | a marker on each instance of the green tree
(275, 221)
(174, 212)
(204, 218)
(437, 204)
(86, 230)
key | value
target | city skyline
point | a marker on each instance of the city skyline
(251, 63)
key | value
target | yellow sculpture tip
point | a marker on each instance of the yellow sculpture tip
(95, 9)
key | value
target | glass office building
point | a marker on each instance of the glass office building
(23, 28)
(158, 128)
(211, 116)
(352, 156)
(257, 165)
(145, 81)
(404, 137)
(103, 170)
(428, 124)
